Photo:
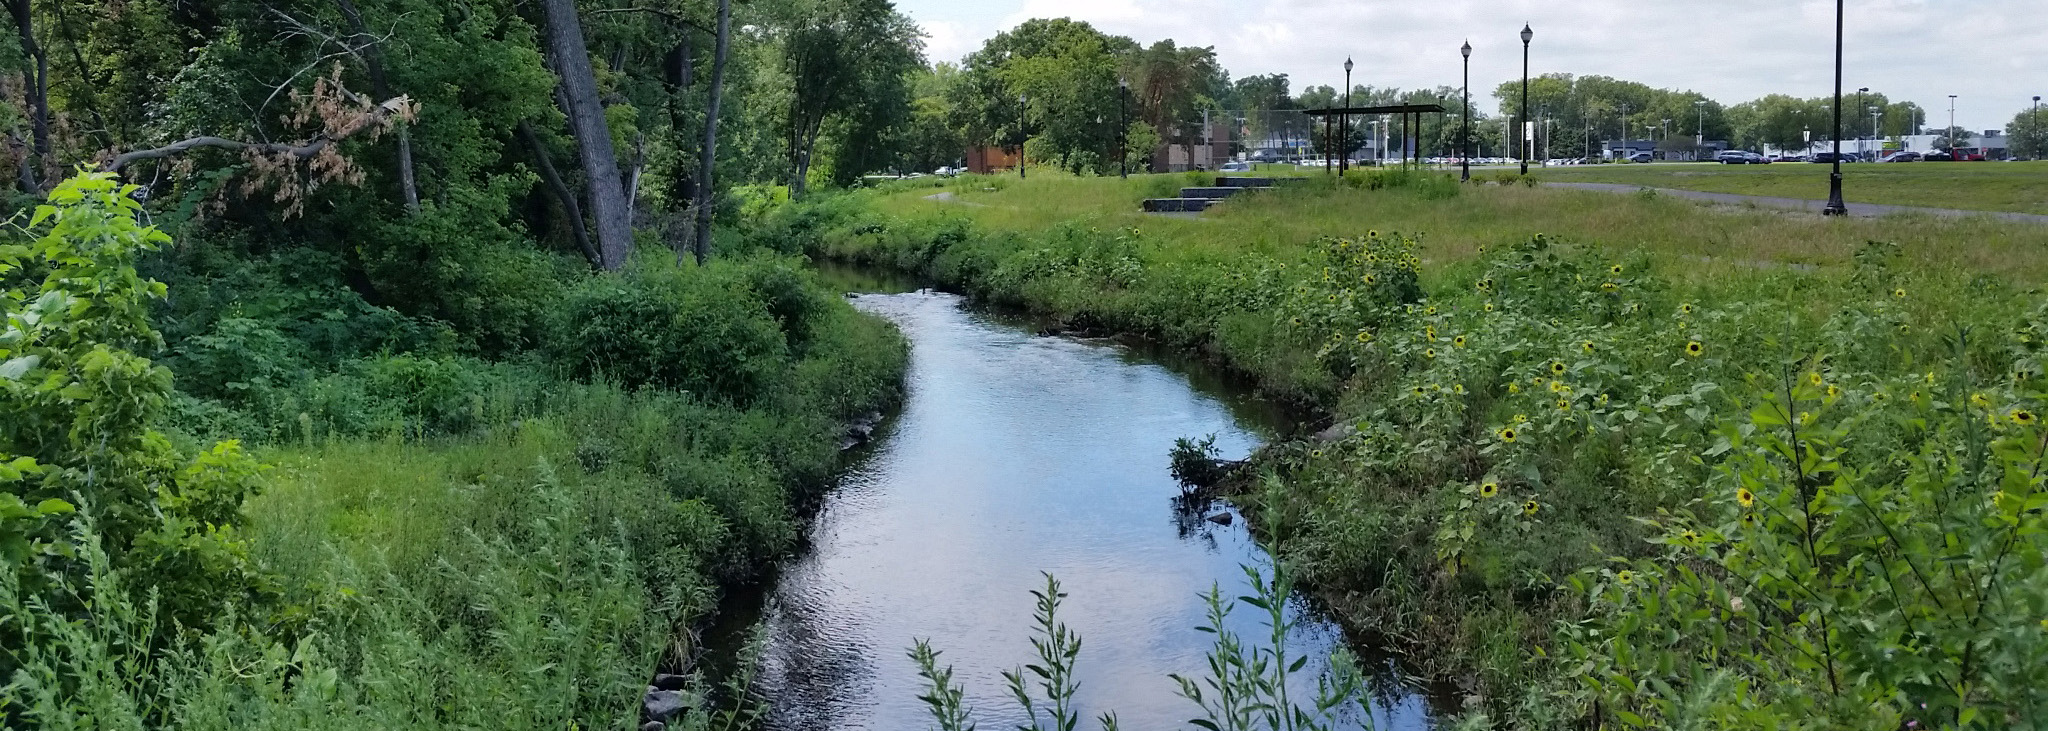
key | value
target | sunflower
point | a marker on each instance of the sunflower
(1564, 405)
(1899, 293)
(1372, 234)
(1586, 345)
(1744, 496)
(1614, 270)
(1557, 367)
(1529, 508)
(1834, 391)
(1913, 397)
(1458, 341)
(1805, 418)
(1685, 309)
(1295, 320)
(1430, 310)
(1489, 489)
(1815, 379)
(1507, 434)
(1429, 330)
(1514, 388)
(1489, 307)
(1690, 536)
(1364, 337)
(1694, 349)
(1419, 391)
(1429, 352)
(1521, 418)
(1980, 401)
(1609, 286)
(1559, 387)
(1370, 279)
(2022, 417)
(1626, 577)
(1458, 388)
(1333, 298)
(1930, 378)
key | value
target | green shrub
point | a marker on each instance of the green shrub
(704, 331)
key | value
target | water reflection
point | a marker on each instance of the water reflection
(1017, 454)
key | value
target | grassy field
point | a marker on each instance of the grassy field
(1700, 242)
(1599, 460)
(2020, 187)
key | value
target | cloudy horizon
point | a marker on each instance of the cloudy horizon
(1984, 51)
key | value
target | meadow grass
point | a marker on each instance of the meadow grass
(1693, 240)
(2018, 187)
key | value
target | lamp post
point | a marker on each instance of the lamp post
(1835, 205)
(1023, 115)
(1700, 137)
(1123, 129)
(1344, 123)
(1876, 112)
(1527, 35)
(1465, 140)
(1950, 133)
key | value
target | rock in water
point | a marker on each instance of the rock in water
(1221, 519)
(665, 681)
(662, 705)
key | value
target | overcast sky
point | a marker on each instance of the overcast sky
(1993, 54)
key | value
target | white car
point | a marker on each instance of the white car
(1237, 167)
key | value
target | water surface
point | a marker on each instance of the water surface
(1017, 454)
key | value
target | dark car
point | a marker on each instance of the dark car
(1641, 157)
(1937, 156)
(1829, 157)
(1739, 157)
(1902, 156)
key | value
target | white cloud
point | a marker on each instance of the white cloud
(1986, 51)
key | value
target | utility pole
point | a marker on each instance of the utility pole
(1951, 133)
(1344, 123)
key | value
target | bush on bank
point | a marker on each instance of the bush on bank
(1784, 499)
(335, 516)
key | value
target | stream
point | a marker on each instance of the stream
(1016, 454)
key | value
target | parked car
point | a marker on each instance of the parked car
(1741, 157)
(1901, 156)
(1829, 157)
(1936, 156)
(1237, 167)
(1972, 154)
(1641, 157)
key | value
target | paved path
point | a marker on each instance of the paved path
(1859, 210)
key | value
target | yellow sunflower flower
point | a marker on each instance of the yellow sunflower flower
(1489, 489)
(1695, 349)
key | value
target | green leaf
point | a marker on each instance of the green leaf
(14, 369)
(54, 506)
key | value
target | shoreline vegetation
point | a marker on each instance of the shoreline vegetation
(255, 518)
(1659, 466)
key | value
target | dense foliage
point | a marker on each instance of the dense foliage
(1599, 493)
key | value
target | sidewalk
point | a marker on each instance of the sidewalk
(1859, 210)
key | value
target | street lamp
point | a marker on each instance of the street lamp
(1950, 133)
(1465, 143)
(1859, 105)
(1875, 135)
(1835, 205)
(1344, 125)
(1527, 35)
(1123, 130)
(1700, 137)
(1023, 119)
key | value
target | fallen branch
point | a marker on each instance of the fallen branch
(375, 118)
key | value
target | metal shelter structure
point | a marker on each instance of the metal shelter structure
(1411, 124)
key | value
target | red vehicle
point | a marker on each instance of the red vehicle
(1973, 154)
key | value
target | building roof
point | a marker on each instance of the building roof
(1395, 109)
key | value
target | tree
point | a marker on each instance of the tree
(701, 244)
(849, 62)
(1051, 78)
(2027, 135)
(1170, 83)
(585, 109)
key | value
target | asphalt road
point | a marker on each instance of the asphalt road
(1859, 210)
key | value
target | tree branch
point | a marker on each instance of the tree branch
(669, 16)
(378, 116)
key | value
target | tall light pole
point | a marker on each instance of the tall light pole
(1700, 137)
(1344, 126)
(1859, 105)
(1123, 130)
(1465, 142)
(1950, 133)
(1527, 35)
(1835, 205)
(1875, 113)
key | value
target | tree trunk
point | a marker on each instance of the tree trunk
(38, 91)
(593, 136)
(408, 183)
(710, 155)
(553, 179)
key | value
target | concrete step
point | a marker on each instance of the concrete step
(1178, 205)
(1217, 193)
(1234, 182)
